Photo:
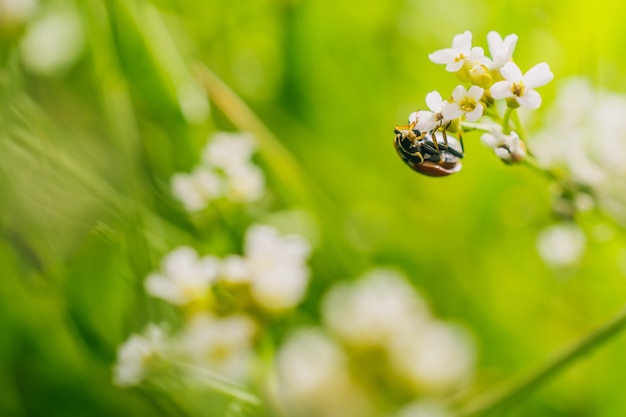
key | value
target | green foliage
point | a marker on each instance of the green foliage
(86, 156)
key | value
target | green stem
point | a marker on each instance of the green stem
(506, 128)
(499, 398)
(519, 127)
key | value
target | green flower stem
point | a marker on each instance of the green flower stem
(519, 127)
(506, 128)
(507, 395)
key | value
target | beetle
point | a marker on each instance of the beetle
(423, 153)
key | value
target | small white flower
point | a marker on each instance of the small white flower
(501, 50)
(427, 121)
(521, 87)
(229, 151)
(509, 148)
(234, 269)
(222, 345)
(561, 245)
(461, 51)
(197, 189)
(279, 275)
(138, 355)
(245, 183)
(53, 43)
(16, 11)
(314, 376)
(439, 358)
(465, 102)
(184, 277)
(424, 408)
(378, 310)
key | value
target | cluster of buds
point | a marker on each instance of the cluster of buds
(492, 81)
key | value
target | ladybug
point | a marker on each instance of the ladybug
(423, 153)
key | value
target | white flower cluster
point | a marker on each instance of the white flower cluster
(491, 79)
(226, 171)
(273, 273)
(379, 316)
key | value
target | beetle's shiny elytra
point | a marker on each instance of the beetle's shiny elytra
(427, 156)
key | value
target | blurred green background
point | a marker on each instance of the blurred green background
(87, 151)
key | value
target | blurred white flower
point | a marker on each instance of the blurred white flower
(424, 408)
(501, 50)
(314, 376)
(521, 86)
(53, 43)
(139, 355)
(197, 189)
(561, 245)
(509, 148)
(465, 102)
(461, 52)
(279, 275)
(379, 309)
(223, 345)
(184, 277)
(439, 358)
(14, 12)
(585, 134)
(245, 184)
(229, 151)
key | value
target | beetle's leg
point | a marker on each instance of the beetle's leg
(434, 137)
(445, 137)
(429, 149)
(461, 140)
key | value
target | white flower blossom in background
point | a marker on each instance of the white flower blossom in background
(314, 376)
(424, 408)
(197, 189)
(461, 52)
(438, 358)
(229, 151)
(279, 275)
(139, 355)
(223, 345)
(379, 309)
(509, 148)
(501, 50)
(15, 12)
(184, 277)
(561, 245)
(465, 102)
(53, 43)
(226, 171)
(521, 86)
(585, 135)
(245, 184)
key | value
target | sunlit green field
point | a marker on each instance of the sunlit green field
(104, 102)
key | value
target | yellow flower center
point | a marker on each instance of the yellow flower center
(461, 57)
(518, 89)
(467, 104)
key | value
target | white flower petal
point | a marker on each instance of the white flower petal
(443, 56)
(475, 114)
(511, 72)
(501, 89)
(452, 111)
(434, 101)
(490, 140)
(538, 75)
(475, 92)
(530, 100)
(458, 93)
(462, 42)
(455, 66)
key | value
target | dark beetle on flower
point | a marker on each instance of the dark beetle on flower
(423, 153)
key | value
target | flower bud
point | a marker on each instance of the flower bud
(480, 75)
